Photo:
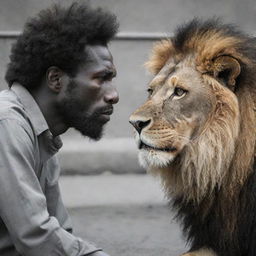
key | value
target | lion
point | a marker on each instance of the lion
(197, 131)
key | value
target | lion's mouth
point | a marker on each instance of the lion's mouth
(143, 145)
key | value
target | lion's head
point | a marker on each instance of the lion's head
(197, 128)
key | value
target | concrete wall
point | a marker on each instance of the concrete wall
(142, 15)
(151, 16)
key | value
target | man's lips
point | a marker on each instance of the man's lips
(105, 114)
(143, 145)
(107, 111)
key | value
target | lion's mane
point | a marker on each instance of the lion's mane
(212, 184)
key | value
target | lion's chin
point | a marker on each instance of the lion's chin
(155, 158)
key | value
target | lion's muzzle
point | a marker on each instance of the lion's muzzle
(139, 124)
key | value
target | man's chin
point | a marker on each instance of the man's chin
(92, 134)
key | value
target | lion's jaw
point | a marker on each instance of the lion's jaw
(152, 157)
(158, 150)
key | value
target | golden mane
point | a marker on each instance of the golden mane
(223, 155)
(197, 131)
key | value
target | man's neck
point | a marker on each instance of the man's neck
(46, 101)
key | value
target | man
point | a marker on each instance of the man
(59, 76)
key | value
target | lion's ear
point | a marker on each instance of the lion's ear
(226, 69)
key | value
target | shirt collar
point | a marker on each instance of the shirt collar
(35, 115)
(50, 144)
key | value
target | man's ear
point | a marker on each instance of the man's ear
(53, 78)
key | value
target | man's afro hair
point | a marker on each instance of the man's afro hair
(57, 37)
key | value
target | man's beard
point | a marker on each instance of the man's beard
(74, 116)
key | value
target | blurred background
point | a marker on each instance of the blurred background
(110, 198)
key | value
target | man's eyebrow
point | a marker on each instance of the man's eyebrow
(107, 72)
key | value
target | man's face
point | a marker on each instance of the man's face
(86, 102)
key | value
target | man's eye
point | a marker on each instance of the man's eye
(100, 79)
(179, 92)
(108, 77)
(104, 77)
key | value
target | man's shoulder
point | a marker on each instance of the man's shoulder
(12, 109)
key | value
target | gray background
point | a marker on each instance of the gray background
(125, 214)
(135, 16)
(142, 15)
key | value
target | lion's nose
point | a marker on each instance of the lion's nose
(140, 124)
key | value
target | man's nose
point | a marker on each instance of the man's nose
(111, 96)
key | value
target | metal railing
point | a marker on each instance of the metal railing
(119, 36)
(141, 36)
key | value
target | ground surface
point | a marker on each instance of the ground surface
(125, 214)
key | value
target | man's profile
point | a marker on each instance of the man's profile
(59, 76)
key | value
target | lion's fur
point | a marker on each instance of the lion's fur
(207, 42)
(204, 163)
(211, 174)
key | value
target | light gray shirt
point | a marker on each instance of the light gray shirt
(33, 219)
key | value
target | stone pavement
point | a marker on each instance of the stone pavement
(124, 214)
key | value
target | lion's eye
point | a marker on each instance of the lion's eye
(150, 91)
(179, 92)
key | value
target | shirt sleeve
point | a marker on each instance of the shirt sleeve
(52, 193)
(23, 205)
(56, 207)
